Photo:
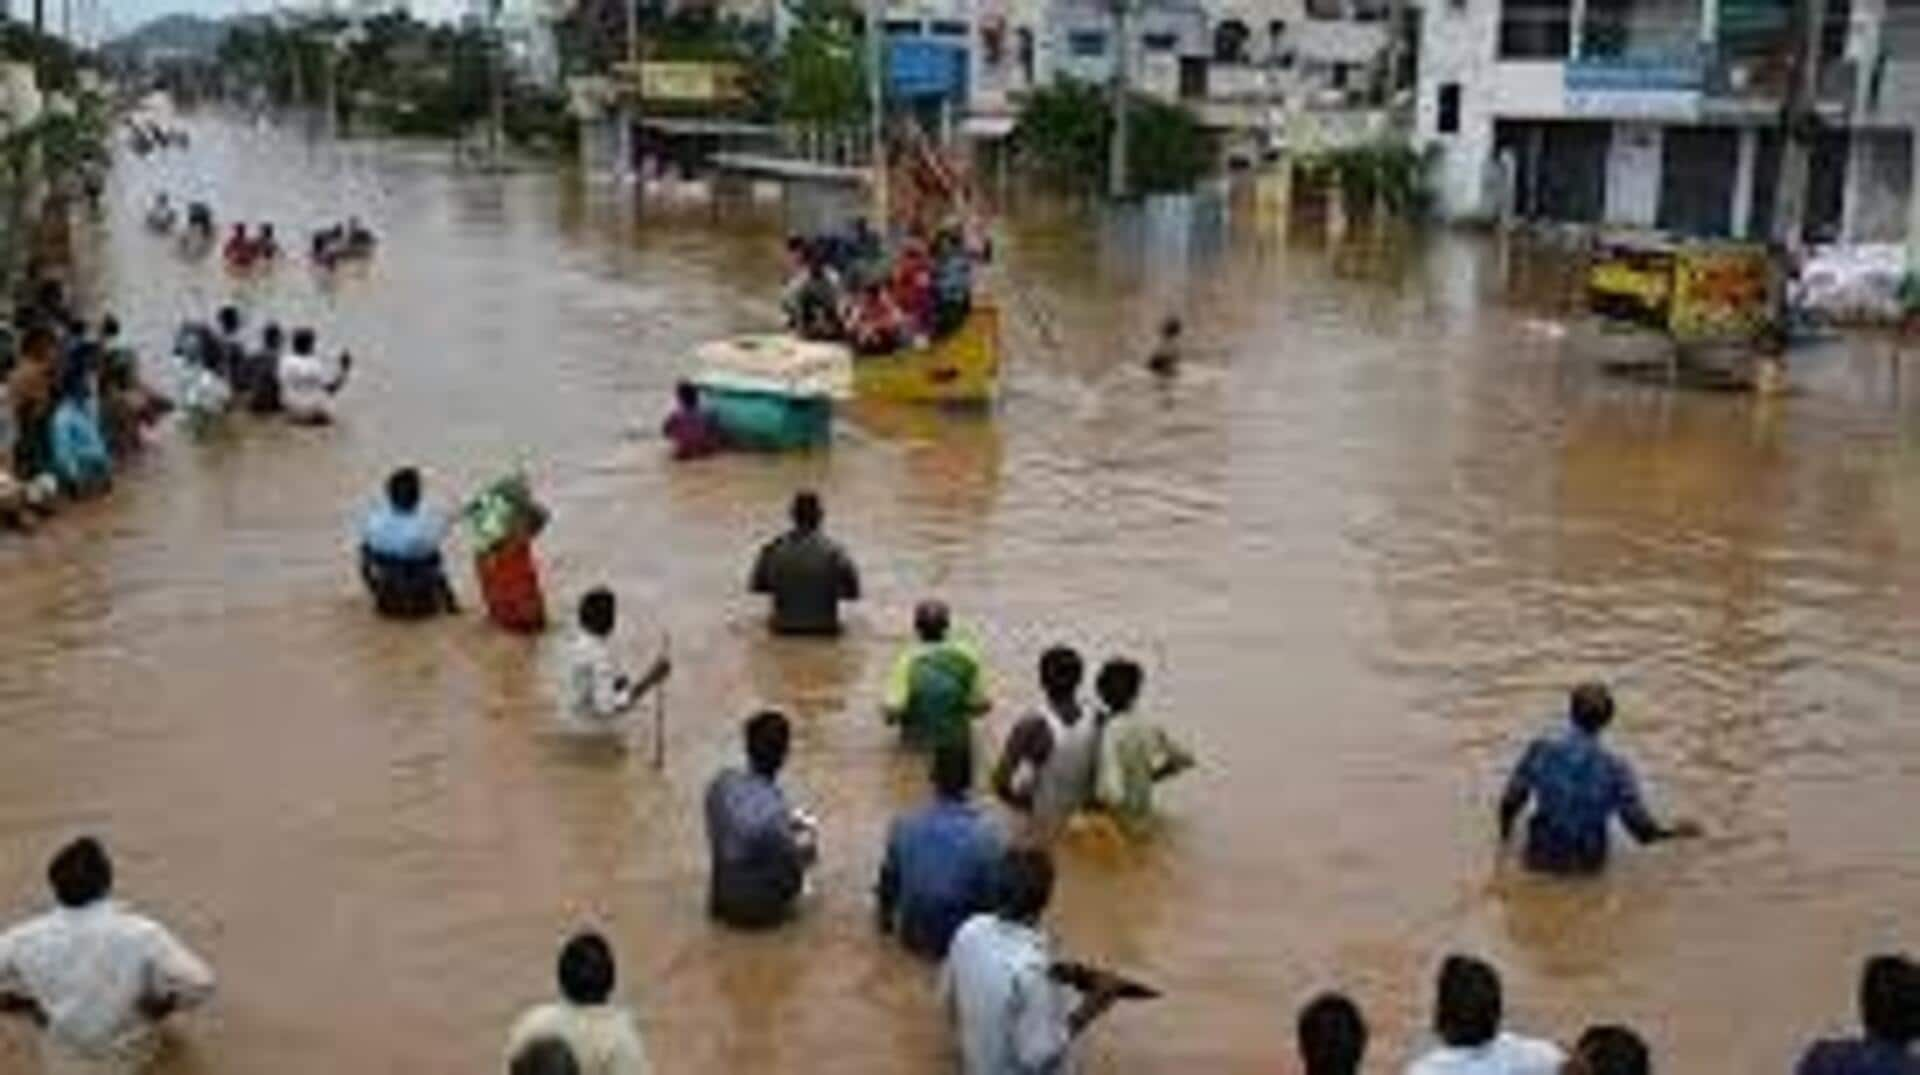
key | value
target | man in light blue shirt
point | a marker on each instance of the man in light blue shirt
(400, 553)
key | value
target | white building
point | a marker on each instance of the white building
(1241, 64)
(1663, 113)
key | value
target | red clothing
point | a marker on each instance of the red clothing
(913, 289)
(694, 433)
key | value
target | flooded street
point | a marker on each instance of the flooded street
(1363, 549)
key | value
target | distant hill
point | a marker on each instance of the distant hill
(172, 35)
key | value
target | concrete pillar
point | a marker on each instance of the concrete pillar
(1743, 180)
(1859, 160)
(1913, 204)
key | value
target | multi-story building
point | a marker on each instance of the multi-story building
(1665, 113)
(1243, 65)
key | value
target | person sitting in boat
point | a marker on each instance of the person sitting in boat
(865, 253)
(400, 553)
(693, 432)
(952, 282)
(875, 325)
(161, 218)
(816, 304)
(239, 248)
(912, 287)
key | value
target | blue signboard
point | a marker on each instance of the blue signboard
(1682, 70)
(923, 67)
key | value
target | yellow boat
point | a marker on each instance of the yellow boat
(963, 368)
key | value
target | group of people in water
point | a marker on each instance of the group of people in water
(283, 375)
(849, 288)
(258, 247)
(73, 406)
(961, 884)
(957, 885)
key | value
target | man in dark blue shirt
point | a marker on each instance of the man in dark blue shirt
(943, 861)
(1890, 1013)
(1577, 786)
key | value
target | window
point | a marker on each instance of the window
(948, 28)
(902, 26)
(1087, 42)
(1535, 29)
(1448, 121)
(1370, 10)
(1325, 9)
(1337, 77)
(1230, 41)
(1160, 42)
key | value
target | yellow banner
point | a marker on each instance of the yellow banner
(690, 81)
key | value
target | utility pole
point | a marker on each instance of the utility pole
(496, 125)
(1122, 77)
(876, 106)
(1797, 117)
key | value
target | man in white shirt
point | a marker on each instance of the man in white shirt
(599, 694)
(600, 1035)
(96, 978)
(1466, 1018)
(1011, 1011)
(307, 384)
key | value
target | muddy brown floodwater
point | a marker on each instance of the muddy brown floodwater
(1363, 547)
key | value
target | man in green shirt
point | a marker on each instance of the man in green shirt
(1135, 751)
(938, 684)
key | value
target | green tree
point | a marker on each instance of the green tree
(823, 77)
(1064, 131)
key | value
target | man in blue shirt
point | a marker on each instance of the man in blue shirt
(1576, 786)
(943, 861)
(1890, 1014)
(761, 847)
(400, 553)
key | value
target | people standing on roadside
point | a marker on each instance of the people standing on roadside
(1046, 768)
(1467, 1011)
(1136, 753)
(400, 552)
(942, 864)
(80, 456)
(761, 848)
(308, 384)
(97, 979)
(1889, 1001)
(600, 1035)
(1610, 1050)
(599, 694)
(1332, 1036)
(938, 684)
(31, 395)
(1577, 787)
(1012, 1013)
(806, 574)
